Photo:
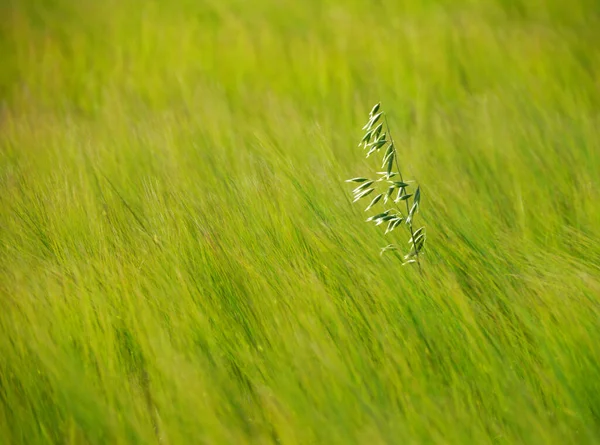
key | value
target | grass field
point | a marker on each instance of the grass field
(180, 262)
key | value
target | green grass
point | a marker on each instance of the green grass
(180, 262)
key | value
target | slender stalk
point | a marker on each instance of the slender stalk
(376, 137)
(410, 225)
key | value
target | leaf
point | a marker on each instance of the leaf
(388, 248)
(403, 197)
(372, 121)
(387, 175)
(409, 262)
(386, 160)
(418, 195)
(399, 184)
(418, 231)
(388, 194)
(411, 254)
(419, 242)
(393, 224)
(411, 213)
(377, 130)
(418, 239)
(390, 164)
(375, 201)
(357, 180)
(363, 194)
(366, 138)
(380, 215)
(381, 141)
(389, 227)
(375, 109)
(388, 152)
(384, 219)
(376, 117)
(362, 187)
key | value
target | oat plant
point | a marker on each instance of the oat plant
(398, 206)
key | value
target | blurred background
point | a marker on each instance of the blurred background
(180, 261)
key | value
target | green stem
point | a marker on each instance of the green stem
(410, 225)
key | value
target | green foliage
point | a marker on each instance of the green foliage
(376, 139)
(176, 260)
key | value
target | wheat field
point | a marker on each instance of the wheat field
(180, 261)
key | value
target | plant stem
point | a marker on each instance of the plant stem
(410, 225)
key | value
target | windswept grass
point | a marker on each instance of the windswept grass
(180, 262)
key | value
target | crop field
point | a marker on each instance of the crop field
(181, 261)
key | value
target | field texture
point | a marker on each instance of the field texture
(180, 261)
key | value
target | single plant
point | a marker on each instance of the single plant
(378, 139)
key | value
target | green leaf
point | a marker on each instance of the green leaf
(357, 180)
(384, 219)
(399, 184)
(362, 187)
(403, 197)
(388, 248)
(419, 242)
(377, 130)
(389, 227)
(381, 141)
(363, 194)
(376, 117)
(388, 194)
(366, 138)
(418, 232)
(418, 195)
(375, 109)
(380, 215)
(417, 238)
(390, 164)
(375, 201)
(372, 121)
(411, 254)
(416, 247)
(388, 152)
(393, 224)
(411, 213)
(386, 160)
